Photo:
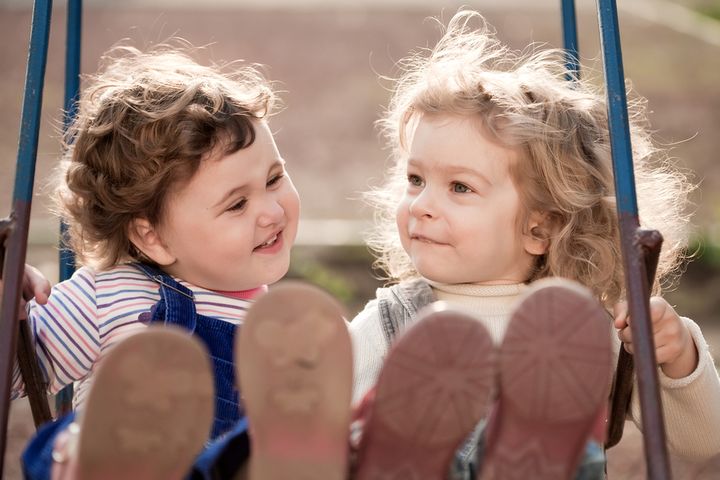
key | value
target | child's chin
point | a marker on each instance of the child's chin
(438, 277)
(278, 274)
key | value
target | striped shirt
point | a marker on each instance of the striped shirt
(89, 313)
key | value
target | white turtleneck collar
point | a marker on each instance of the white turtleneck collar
(478, 290)
(492, 304)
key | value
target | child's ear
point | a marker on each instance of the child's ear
(147, 239)
(538, 231)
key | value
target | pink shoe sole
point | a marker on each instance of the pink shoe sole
(555, 369)
(150, 409)
(295, 370)
(433, 390)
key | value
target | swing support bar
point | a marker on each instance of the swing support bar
(14, 229)
(640, 250)
(63, 399)
(570, 39)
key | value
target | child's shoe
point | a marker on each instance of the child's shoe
(434, 388)
(295, 371)
(148, 413)
(555, 368)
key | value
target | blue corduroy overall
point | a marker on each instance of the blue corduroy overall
(177, 307)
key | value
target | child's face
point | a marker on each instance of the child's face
(233, 225)
(458, 217)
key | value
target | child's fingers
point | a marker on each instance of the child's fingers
(663, 353)
(625, 335)
(658, 310)
(22, 311)
(673, 338)
(27, 289)
(667, 343)
(620, 315)
(666, 353)
(35, 285)
(658, 313)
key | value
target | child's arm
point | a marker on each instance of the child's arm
(690, 386)
(63, 327)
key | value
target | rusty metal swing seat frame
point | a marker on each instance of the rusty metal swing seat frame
(640, 247)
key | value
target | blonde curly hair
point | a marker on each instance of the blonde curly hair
(145, 122)
(524, 100)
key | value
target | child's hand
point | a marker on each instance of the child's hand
(34, 285)
(675, 349)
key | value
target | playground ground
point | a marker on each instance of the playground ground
(327, 56)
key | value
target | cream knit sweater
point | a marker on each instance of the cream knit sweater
(691, 404)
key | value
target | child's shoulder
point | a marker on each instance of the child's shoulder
(91, 279)
(125, 270)
(413, 292)
(399, 301)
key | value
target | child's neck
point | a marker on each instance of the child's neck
(480, 290)
(244, 294)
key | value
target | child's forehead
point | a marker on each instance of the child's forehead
(454, 131)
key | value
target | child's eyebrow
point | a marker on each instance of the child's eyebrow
(277, 164)
(231, 193)
(450, 170)
(242, 188)
(456, 170)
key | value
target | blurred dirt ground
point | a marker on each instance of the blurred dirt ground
(327, 61)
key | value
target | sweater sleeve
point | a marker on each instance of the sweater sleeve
(369, 349)
(691, 405)
(64, 333)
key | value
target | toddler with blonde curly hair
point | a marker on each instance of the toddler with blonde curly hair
(501, 181)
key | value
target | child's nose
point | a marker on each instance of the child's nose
(423, 205)
(271, 214)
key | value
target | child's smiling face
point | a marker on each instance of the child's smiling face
(458, 218)
(231, 227)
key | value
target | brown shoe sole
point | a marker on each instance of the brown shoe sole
(295, 371)
(434, 388)
(149, 410)
(555, 368)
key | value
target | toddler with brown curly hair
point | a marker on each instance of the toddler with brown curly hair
(181, 212)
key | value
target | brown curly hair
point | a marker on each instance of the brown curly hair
(144, 124)
(524, 100)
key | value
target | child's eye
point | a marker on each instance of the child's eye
(460, 188)
(275, 179)
(237, 206)
(415, 180)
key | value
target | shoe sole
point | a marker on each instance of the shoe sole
(295, 372)
(149, 410)
(434, 388)
(555, 368)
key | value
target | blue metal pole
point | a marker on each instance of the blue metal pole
(636, 270)
(63, 400)
(72, 89)
(13, 269)
(570, 38)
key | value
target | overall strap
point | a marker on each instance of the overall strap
(399, 304)
(177, 302)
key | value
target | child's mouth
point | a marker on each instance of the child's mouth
(274, 241)
(426, 240)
